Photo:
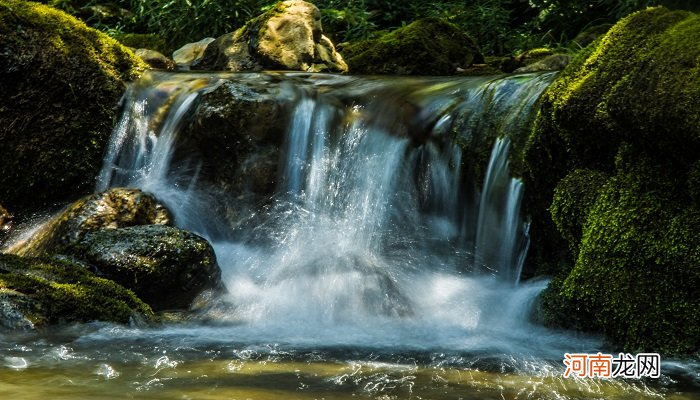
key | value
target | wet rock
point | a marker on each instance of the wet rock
(238, 130)
(60, 82)
(288, 37)
(155, 59)
(165, 266)
(115, 208)
(19, 311)
(191, 53)
(425, 47)
(38, 291)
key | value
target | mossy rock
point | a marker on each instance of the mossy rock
(288, 36)
(114, 208)
(39, 291)
(428, 46)
(165, 266)
(60, 82)
(627, 107)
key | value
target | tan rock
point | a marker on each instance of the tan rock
(190, 53)
(288, 37)
(115, 208)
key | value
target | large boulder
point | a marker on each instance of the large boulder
(165, 266)
(60, 82)
(115, 208)
(428, 46)
(35, 292)
(289, 36)
(627, 108)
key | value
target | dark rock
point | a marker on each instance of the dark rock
(60, 82)
(238, 132)
(165, 266)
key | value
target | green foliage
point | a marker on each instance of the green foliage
(499, 26)
(184, 21)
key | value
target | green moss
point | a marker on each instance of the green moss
(425, 47)
(638, 269)
(68, 292)
(144, 41)
(573, 198)
(61, 82)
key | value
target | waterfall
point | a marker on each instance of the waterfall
(382, 209)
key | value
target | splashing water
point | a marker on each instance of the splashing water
(370, 236)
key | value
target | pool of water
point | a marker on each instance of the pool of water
(187, 362)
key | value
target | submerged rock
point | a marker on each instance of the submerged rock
(60, 82)
(39, 291)
(627, 108)
(289, 36)
(165, 266)
(115, 208)
(425, 47)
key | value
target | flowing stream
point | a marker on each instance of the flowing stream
(384, 261)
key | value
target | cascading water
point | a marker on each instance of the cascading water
(376, 228)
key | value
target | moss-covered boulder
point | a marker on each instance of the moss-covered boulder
(165, 266)
(115, 208)
(289, 36)
(60, 82)
(425, 47)
(35, 292)
(627, 108)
